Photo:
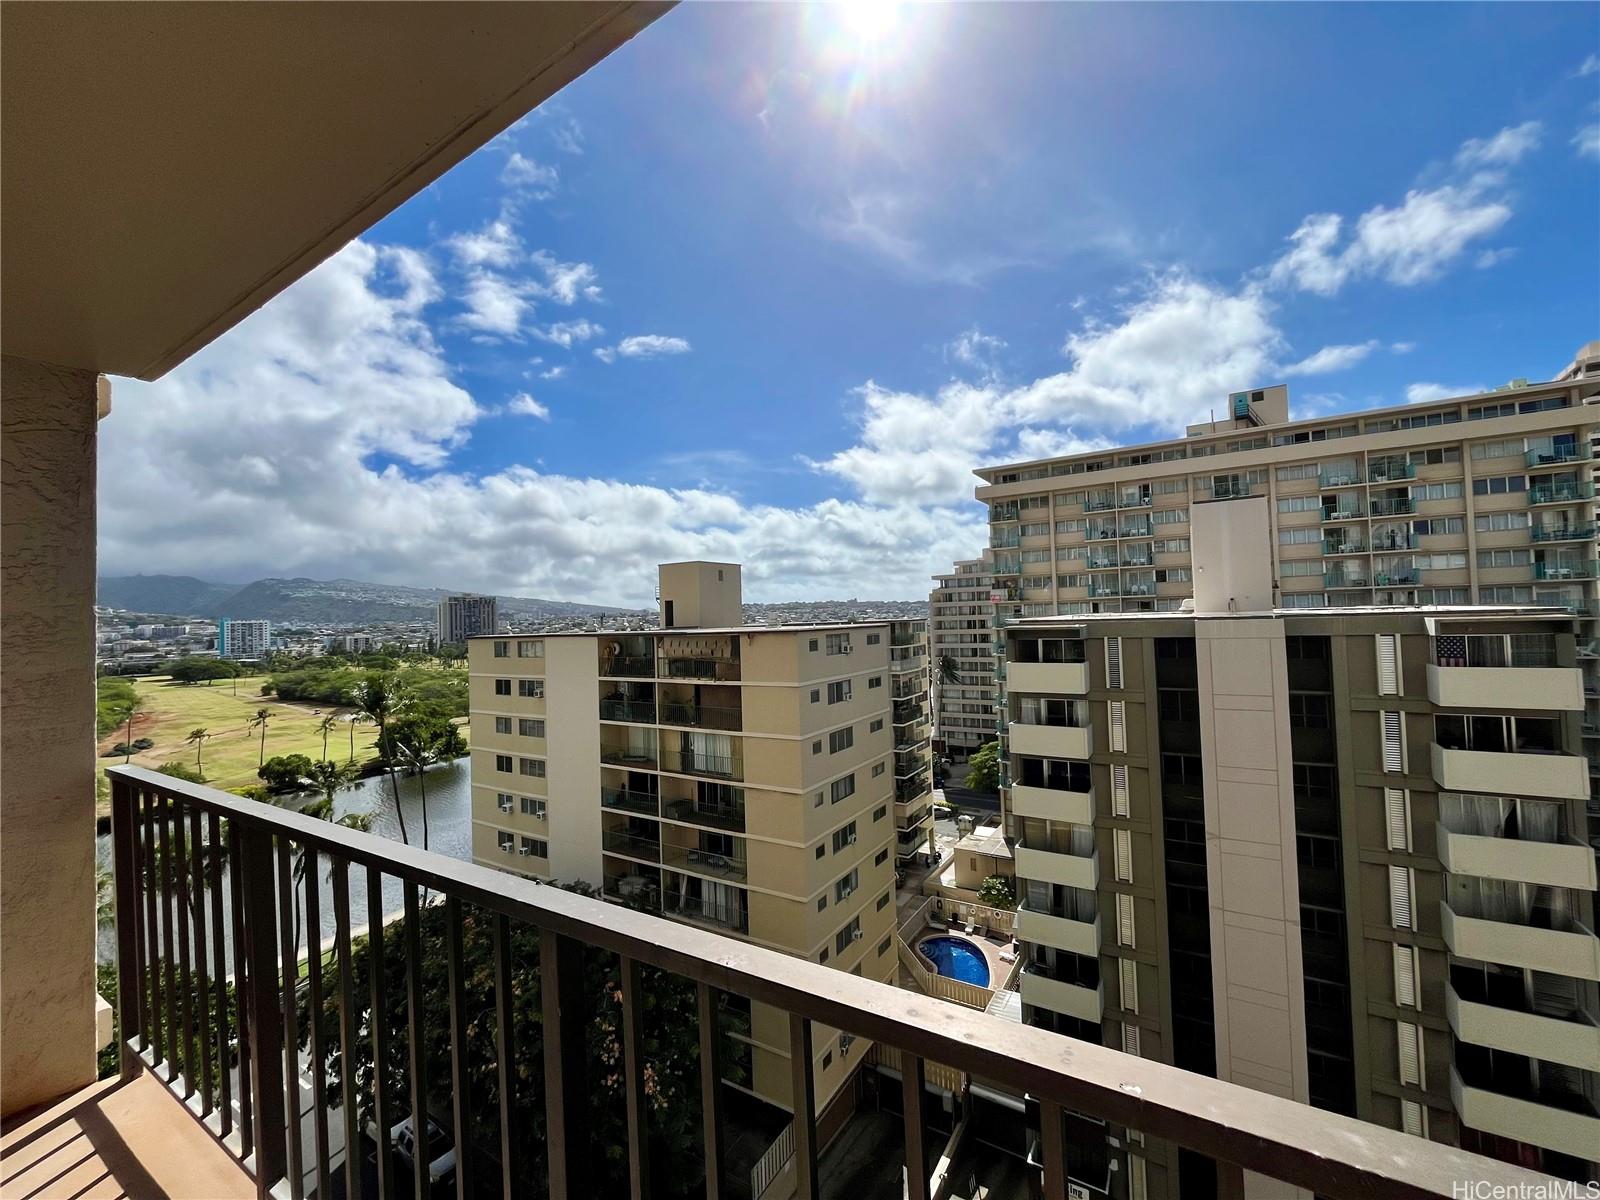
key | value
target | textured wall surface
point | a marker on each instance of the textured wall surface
(47, 895)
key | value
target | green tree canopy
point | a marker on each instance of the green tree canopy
(983, 768)
(997, 892)
(286, 772)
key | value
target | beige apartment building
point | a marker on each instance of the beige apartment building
(961, 624)
(760, 781)
(1339, 849)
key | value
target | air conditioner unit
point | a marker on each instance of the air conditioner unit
(855, 935)
(851, 840)
(845, 649)
(847, 893)
(504, 807)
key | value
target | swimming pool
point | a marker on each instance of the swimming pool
(958, 958)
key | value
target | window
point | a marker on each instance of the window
(880, 812)
(816, 693)
(1501, 522)
(880, 858)
(530, 649)
(502, 762)
(813, 645)
(506, 801)
(846, 885)
(1170, 516)
(502, 649)
(883, 946)
(816, 747)
(502, 724)
(883, 901)
(1307, 710)
(839, 789)
(530, 689)
(507, 842)
(1297, 504)
(535, 848)
(1511, 448)
(822, 903)
(1488, 412)
(838, 643)
(533, 806)
(875, 726)
(839, 691)
(1300, 568)
(875, 681)
(844, 837)
(877, 769)
(841, 739)
(1438, 491)
(1304, 535)
(1405, 976)
(821, 850)
(533, 767)
(502, 687)
(874, 638)
(847, 935)
(1504, 558)
(530, 728)
(1499, 485)
(1174, 545)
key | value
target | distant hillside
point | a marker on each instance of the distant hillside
(306, 601)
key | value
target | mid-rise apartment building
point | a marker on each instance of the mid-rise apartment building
(466, 616)
(964, 610)
(757, 780)
(1338, 854)
(243, 639)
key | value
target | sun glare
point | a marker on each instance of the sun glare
(868, 21)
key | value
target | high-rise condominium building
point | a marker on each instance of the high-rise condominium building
(757, 780)
(243, 639)
(961, 632)
(466, 616)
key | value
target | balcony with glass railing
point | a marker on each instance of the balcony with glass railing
(1103, 502)
(1391, 506)
(1564, 531)
(1347, 577)
(461, 960)
(1565, 568)
(631, 837)
(1560, 492)
(1347, 506)
(1557, 454)
(1136, 527)
(1105, 585)
(1339, 475)
(1004, 512)
(1348, 543)
(1390, 470)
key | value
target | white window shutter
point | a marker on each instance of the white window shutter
(1128, 981)
(1130, 1038)
(1393, 753)
(1413, 1118)
(1119, 725)
(1410, 1044)
(1125, 919)
(1113, 662)
(1122, 841)
(1119, 791)
(1401, 914)
(1397, 818)
(1388, 664)
(1405, 976)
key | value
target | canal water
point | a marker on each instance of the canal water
(449, 804)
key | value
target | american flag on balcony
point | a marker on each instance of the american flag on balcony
(1451, 650)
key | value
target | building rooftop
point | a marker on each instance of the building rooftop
(1478, 612)
(986, 839)
(682, 630)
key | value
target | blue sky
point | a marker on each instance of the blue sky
(770, 281)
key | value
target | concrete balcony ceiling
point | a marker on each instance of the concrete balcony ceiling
(170, 168)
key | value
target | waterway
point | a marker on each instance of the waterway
(449, 805)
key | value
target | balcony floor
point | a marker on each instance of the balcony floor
(133, 1140)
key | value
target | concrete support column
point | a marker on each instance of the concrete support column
(47, 751)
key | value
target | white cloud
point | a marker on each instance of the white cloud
(644, 345)
(525, 405)
(568, 136)
(529, 178)
(1587, 140)
(566, 333)
(495, 245)
(564, 282)
(1402, 347)
(341, 419)
(1330, 359)
(553, 373)
(1491, 258)
(494, 305)
(1417, 241)
(1423, 393)
(1503, 149)
(1589, 66)
(976, 349)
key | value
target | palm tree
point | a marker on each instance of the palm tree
(329, 779)
(948, 669)
(325, 727)
(356, 718)
(379, 698)
(127, 739)
(260, 720)
(418, 746)
(198, 737)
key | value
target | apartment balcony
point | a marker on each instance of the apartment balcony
(1492, 772)
(1561, 493)
(1343, 477)
(1554, 1120)
(730, 868)
(1052, 804)
(726, 818)
(1136, 529)
(1056, 679)
(1102, 562)
(688, 664)
(1059, 932)
(623, 844)
(639, 712)
(1004, 512)
(1099, 503)
(1332, 549)
(1564, 533)
(909, 791)
(1231, 489)
(1390, 471)
(684, 760)
(1005, 539)
(1345, 510)
(1580, 568)
(1070, 999)
(724, 711)
(1491, 688)
(1048, 865)
(1104, 585)
(286, 1056)
(638, 752)
(625, 800)
(1572, 1039)
(1552, 456)
(1051, 741)
(1391, 507)
(634, 666)
(1574, 952)
(1565, 863)
(1345, 579)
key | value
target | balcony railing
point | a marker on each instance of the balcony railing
(1394, 506)
(640, 666)
(617, 841)
(1390, 471)
(701, 716)
(729, 818)
(1563, 533)
(625, 800)
(1545, 456)
(1345, 510)
(1334, 549)
(1338, 478)
(705, 862)
(169, 841)
(1338, 579)
(1561, 493)
(1566, 569)
(696, 762)
(641, 712)
(699, 666)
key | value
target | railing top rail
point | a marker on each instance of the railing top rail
(1330, 1154)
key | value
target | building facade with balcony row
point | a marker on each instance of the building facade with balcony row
(961, 632)
(1340, 855)
(763, 782)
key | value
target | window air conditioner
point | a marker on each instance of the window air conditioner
(851, 840)
(525, 851)
(855, 935)
(845, 649)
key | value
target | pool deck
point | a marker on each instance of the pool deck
(990, 945)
